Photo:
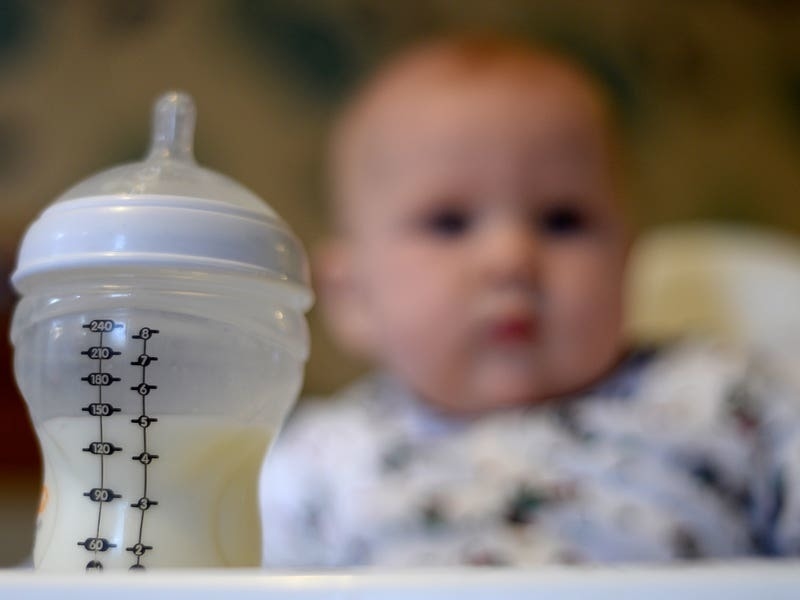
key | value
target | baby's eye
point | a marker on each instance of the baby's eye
(449, 222)
(562, 221)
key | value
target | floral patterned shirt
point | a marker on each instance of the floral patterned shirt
(686, 452)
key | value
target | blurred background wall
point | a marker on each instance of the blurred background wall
(709, 93)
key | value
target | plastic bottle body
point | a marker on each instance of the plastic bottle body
(154, 396)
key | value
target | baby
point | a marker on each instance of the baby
(478, 262)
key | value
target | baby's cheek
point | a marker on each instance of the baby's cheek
(592, 318)
(413, 322)
(586, 278)
(586, 304)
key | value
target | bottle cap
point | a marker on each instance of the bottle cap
(165, 212)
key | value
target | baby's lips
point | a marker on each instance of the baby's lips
(511, 330)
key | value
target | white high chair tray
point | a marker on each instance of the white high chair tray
(774, 580)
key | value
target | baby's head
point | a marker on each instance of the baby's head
(480, 245)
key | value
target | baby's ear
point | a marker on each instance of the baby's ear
(340, 296)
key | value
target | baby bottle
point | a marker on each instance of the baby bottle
(159, 341)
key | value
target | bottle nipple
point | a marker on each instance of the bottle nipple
(173, 128)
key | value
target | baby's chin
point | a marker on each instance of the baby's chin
(480, 395)
(498, 388)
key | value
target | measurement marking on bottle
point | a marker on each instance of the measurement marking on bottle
(145, 457)
(100, 379)
(144, 503)
(101, 495)
(144, 421)
(97, 409)
(97, 544)
(100, 352)
(138, 550)
(101, 447)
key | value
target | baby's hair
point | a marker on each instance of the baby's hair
(470, 53)
(469, 56)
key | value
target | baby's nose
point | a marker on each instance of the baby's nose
(511, 252)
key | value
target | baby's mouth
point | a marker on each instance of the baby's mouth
(512, 330)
